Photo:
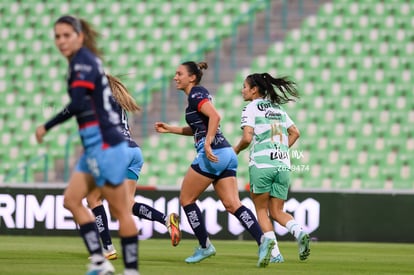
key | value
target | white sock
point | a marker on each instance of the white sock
(110, 247)
(294, 228)
(97, 258)
(129, 271)
(271, 235)
(208, 242)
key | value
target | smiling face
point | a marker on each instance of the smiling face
(183, 80)
(67, 40)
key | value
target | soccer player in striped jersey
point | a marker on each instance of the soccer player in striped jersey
(124, 103)
(103, 162)
(215, 163)
(271, 132)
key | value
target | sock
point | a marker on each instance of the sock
(196, 222)
(249, 222)
(147, 212)
(130, 252)
(294, 228)
(102, 224)
(272, 235)
(90, 236)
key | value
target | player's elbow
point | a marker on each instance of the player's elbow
(294, 132)
(217, 117)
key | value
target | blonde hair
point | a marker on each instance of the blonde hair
(91, 35)
(122, 95)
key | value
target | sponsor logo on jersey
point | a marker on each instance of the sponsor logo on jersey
(82, 68)
(271, 114)
(262, 106)
(279, 155)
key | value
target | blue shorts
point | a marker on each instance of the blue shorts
(105, 165)
(225, 167)
(135, 163)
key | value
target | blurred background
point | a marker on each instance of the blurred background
(352, 61)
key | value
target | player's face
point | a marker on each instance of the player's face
(182, 78)
(67, 40)
(247, 92)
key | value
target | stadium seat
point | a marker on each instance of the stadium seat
(352, 62)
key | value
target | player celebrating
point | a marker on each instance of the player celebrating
(268, 127)
(215, 163)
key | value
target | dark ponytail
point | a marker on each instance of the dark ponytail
(266, 83)
(196, 69)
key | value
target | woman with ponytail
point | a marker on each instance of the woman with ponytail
(271, 132)
(124, 102)
(103, 163)
(215, 163)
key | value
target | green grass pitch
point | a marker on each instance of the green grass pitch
(67, 255)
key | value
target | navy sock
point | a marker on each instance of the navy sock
(130, 252)
(90, 236)
(102, 224)
(147, 212)
(196, 221)
(249, 222)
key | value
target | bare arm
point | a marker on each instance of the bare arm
(293, 135)
(213, 123)
(245, 140)
(162, 127)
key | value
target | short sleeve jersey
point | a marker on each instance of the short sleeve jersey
(85, 70)
(198, 121)
(270, 141)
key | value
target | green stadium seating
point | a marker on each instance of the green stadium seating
(140, 35)
(352, 62)
(351, 117)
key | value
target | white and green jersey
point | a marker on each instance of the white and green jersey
(270, 122)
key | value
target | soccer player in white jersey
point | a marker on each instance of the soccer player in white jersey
(271, 132)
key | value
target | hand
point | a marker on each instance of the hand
(209, 153)
(40, 132)
(161, 127)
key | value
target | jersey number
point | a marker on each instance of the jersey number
(107, 93)
(276, 130)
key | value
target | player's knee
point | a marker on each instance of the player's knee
(185, 200)
(231, 206)
(69, 202)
